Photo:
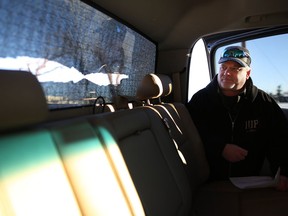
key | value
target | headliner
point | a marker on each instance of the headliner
(177, 24)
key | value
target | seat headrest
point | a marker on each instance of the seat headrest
(23, 101)
(154, 86)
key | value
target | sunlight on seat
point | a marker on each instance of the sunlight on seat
(170, 129)
(32, 179)
(121, 170)
(95, 180)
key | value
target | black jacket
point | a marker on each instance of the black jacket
(252, 120)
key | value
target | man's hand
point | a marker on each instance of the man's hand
(282, 183)
(234, 153)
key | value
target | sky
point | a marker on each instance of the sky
(53, 71)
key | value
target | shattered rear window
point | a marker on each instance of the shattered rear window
(77, 52)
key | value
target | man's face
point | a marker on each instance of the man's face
(232, 76)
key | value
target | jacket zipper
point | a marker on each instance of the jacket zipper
(232, 137)
(232, 126)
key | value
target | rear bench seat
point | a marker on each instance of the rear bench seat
(32, 178)
(182, 129)
(209, 198)
(61, 168)
(124, 162)
(93, 178)
(152, 160)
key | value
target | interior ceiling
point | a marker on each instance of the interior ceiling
(176, 24)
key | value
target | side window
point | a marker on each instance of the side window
(77, 52)
(269, 65)
(199, 75)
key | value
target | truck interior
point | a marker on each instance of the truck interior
(93, 118)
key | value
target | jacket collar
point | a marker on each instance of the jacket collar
(250, 93)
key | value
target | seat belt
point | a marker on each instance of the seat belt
(174, 131)
(177, 85)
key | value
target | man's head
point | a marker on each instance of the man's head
(234, 70)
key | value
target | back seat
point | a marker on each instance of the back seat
(152, 160)
(116, 163)
(181, 127)
(209, 198)
(58, 168)
(32, 178)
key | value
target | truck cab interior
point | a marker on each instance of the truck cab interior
(93, 118)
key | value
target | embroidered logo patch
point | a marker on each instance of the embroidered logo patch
(251, 125)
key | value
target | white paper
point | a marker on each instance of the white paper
(255, 181)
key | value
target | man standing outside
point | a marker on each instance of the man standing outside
(240, 125)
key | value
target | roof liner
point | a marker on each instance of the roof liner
(177, 24)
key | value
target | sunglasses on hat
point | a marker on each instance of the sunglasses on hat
(235, 53)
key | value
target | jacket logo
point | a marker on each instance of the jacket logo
(251, 125)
